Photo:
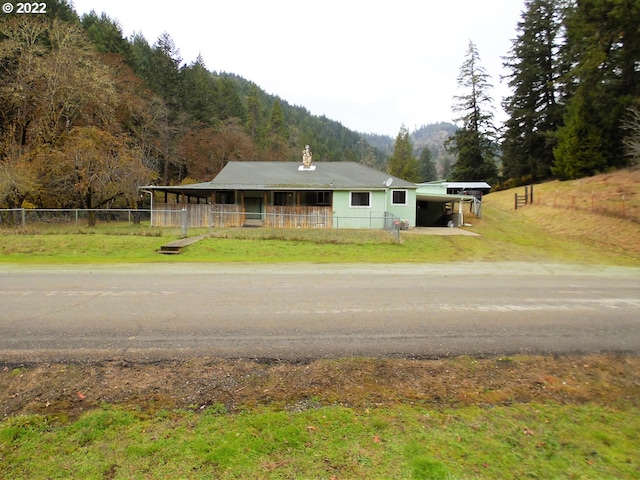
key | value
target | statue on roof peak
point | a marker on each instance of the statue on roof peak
(306, 156)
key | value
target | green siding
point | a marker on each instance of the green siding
(346, 216)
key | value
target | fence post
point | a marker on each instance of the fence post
(24, 217)
(516, 200)
(185, 219)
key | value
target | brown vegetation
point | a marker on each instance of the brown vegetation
(70, 389)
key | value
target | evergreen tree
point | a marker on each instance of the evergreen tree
(228, 102)
(277, 133)
(402, 163)
(163, 75)
(106, 35)
(533, 108)
(603, 49)
(198, 93)
(254, 116)
(428, 171)
(474, 143)
(141, 53)
(61, 9)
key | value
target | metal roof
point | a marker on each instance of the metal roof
(462, 185)
(289, 176)
(444, 197)
(469, 185)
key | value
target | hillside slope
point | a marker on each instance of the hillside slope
(600, 213)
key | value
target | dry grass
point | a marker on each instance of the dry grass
(71, 389)
(603, 210)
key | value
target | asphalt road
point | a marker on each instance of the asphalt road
(153, 312)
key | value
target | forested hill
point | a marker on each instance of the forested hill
(87, 115)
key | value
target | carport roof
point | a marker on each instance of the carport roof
(445, 183)
(444, 197)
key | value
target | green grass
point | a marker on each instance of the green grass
(505, 236)
(520, 441)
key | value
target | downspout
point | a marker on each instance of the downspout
(150, 192)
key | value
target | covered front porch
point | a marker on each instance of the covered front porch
(279, 209)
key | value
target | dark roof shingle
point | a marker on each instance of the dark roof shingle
(287, 175)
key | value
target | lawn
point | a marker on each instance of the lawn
(458, 418)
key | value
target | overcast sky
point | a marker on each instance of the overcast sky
(370, 65)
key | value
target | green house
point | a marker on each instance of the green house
(290, 195)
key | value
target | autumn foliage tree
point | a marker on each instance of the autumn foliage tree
(95, 166)
(63, 119)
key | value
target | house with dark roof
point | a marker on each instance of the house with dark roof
(290, 195)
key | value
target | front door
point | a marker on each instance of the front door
(253, 208)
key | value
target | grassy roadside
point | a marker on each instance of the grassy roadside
(459, 418)
(519, 441)
(506, 235)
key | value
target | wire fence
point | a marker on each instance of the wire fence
(620, 205)
(181, 221)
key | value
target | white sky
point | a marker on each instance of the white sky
(370, 65)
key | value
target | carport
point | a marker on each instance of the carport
(442, 210)
(441, 203)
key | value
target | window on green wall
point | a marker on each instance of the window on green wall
(360, 199)
(399, 197)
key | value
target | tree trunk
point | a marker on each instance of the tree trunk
(91, 215)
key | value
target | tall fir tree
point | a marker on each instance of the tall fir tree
(603, 48)
(534, 109)
(228, 102)
(164, 71)
(474, 143)
(428, 171)
(198, 92)
(254, 113)
(106, 34)
(402, 163)
(277, 134)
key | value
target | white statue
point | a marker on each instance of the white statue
(306, 157)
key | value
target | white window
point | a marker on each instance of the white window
(399, 197)
(360, 199)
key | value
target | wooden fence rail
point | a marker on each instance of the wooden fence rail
(526, 199)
